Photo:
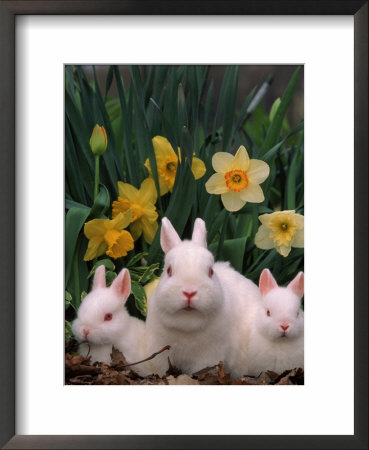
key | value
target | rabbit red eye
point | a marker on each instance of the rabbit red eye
(211, 272)
(108, 317)
(169, 271)
(268, 313)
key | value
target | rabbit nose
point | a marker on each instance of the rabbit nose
(86, 332)
(285, 327)
(189, 295)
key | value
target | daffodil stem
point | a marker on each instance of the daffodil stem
(97, 175)
(222, 237)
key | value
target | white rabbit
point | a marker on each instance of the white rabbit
(103, 321)
(196, 304)
(276, 340)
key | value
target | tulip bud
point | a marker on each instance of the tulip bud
(98, 140)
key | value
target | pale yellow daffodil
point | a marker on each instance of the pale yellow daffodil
(142, 202)
(108, 236)
(280, 230)
(167, 162)
(237, 179)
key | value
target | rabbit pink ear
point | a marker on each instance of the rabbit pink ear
(168, 236)
(122, 284)
(297, 285)
(266, 282)
(199, 233)
(99, 278)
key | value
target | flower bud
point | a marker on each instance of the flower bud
(98, 140)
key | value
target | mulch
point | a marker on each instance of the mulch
(79, 371)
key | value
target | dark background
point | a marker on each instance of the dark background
(249, 77)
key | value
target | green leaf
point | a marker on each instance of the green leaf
(101, 203)
(136, 258)
(149, 273)
(108, 263)
(126, 124)
(227, 103)
(75, 219)
(274, 108)
(140, 297)
(182, 119)
(291, 183)
(72, 204)
(110, 277)
(275, 128)
(233, 250)
(68, 330)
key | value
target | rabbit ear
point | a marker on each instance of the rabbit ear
(297, 285)
(122, 284)
(168, 235)
(99, 278)
(199, 233)
(266, 282)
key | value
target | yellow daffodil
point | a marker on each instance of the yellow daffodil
(280, 230)
(166, 163)
(98, 140)
(237, 179)
(108, 236)
(142, 203)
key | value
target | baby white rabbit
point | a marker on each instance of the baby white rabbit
(103, 321)
(194, 306)
(276, 339)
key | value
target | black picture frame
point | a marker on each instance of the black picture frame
(8, 12)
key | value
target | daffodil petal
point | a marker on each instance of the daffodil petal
(258, 171)
(241, 159)
(149, 230)
(150, 213)
(147, 193)
(96, 247)
(95, 228)
(283, 250)
(148, 167)
(299, 221)
(136, 229)
(128, 191)
(162, 148)
(252, 193)
(298, 240)
(265, 219)
(232, 201)
(263, 239)
(164, 188)
(222, 162)
(216, 184)
(198, 168)
(122, 220)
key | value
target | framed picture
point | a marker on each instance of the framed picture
(35, 270)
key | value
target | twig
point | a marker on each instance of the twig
(167, 347)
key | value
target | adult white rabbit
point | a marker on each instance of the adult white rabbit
(103, 321)
(196, 306)
(276, 340)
